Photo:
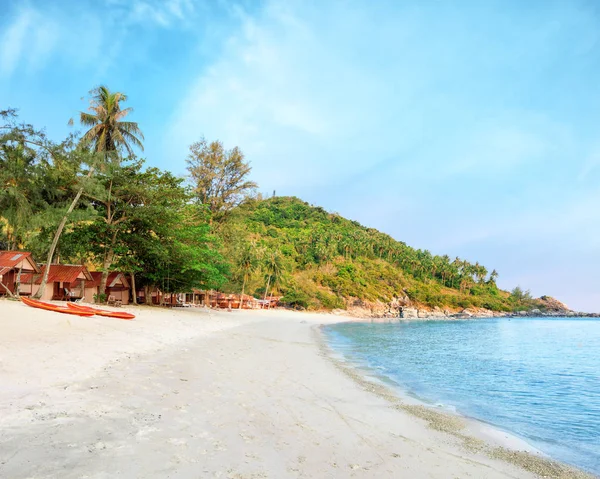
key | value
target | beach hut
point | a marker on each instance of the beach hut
(271, 301)
(149, 295)
(232, 301)
(14, 268)
(117, 287)
(66, 282)
(198, 297)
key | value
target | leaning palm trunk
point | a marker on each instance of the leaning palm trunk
(57, 235)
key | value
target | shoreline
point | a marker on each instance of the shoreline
(247, 394)
(477, 435)
(489, 432)
(416, 314)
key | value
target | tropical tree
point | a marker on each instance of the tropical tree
(109, 133)
(273, 267)
(17, 178)
(247, 264)
(518, 294)
(108, 136)
(219, 177)
(128, 198)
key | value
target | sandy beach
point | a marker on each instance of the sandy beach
(193, 393)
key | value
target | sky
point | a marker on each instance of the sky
(468, 128)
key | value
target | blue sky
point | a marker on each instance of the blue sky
(468, 128)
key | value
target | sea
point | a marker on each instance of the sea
(537, 378)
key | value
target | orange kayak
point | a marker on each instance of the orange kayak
(100, 312)
(34, 303)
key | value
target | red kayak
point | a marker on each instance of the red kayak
(100, 312)
(34, 303)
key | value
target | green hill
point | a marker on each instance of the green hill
(319, 260)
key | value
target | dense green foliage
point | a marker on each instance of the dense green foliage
(116, 213)
(328, 261)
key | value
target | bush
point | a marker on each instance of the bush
(330, 301)
(296, 298)
(100, 298)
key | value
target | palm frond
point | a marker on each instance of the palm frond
(88, 119)
(92, 134)
(132, 128)
(133, 140)
(123, 113)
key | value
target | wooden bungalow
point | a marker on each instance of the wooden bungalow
(269, 302)
(214, 299)
(232, 301)
(66, 282)
(14, 268)
(158, 297)
(155, 295)
(198, 297)
(117, 286)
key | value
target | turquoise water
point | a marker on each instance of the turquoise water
(537, 378)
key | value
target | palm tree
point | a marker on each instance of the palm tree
(273, 268)
(109, 133)
(247, 265)
(108, 136)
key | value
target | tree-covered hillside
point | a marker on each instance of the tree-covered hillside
(326, 261)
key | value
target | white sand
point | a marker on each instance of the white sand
(193, 394)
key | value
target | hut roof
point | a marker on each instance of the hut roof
(114, 278)
(63, 273)
(12, 259)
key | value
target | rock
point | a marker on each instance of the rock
(409, 313)
(437, 313)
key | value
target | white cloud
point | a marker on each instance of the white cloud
(275, 84)
(344, 90)
(14, 40)
(33, 39)
(44, 39)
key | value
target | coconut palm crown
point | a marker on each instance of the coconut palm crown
(108, 132)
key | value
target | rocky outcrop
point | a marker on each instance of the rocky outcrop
(548, 303)
(401, 308)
